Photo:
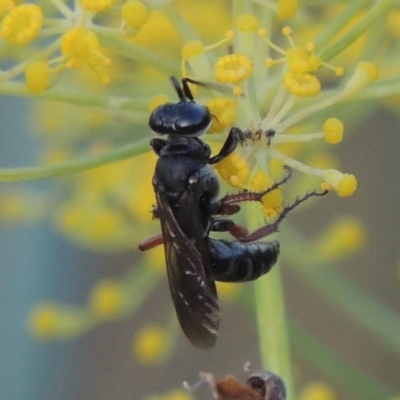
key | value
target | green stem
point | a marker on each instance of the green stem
(62, 94)
(73, 166)
(379, 90)
(132, 51)
(373, 14)
(272, 327)
(270, 311)
(334, 27)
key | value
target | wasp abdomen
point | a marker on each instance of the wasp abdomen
(241, 262)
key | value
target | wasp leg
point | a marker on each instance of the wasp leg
(228, 205)
(229, 146)
(241, 262)
(227, 225)
(151, 242)
(271, 228)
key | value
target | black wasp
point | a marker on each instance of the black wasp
(186, 190)
(263, 385)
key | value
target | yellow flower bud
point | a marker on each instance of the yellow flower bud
(333, 130)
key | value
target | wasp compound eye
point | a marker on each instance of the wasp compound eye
(180, 118)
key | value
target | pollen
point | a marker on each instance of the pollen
(247, 23)
(96, 5)
(22, 24)
(303, 85)
(287, 8)
(150, 345)
(333, 130)
(37, 77)
(234, 170)
(106, 299)
(343, 184)
(233, 68)
(223, 112)
(135, 14)
(192, 49)
(82, 47)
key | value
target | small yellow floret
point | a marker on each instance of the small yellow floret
(150, 344)
(37, 77)
(233, 68)
(343, 184)
(13, 207)
(237, 91)
(343, 237)
(192, 49)
(5, 6)
(272, 203)
(287, 8)
(370, 69)
(366, 72)
(229, 34)
(227, 291)
(260, 181)
(333, 130)
(81, 47)
(269, 62)
(287, 30)
(134, 13)
(106, 298)
(303, 85)
(310, 46)
(247, 23)
(317, 391)
(300, 60)
(180, 394)
(234, 169)
(223, 112)
(157, 101)
(43, 321)
(155, 259)
(22, 24)
(262, 32)
(96, 5)
(339, 71)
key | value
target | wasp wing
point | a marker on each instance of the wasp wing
(189, 271)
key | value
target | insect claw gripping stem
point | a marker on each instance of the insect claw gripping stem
(272, 228)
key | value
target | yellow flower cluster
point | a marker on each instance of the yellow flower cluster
(270, 84)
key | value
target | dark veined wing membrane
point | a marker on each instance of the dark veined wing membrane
(189, 270)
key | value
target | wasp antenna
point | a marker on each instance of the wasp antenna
(186, 88)
(181, 93)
